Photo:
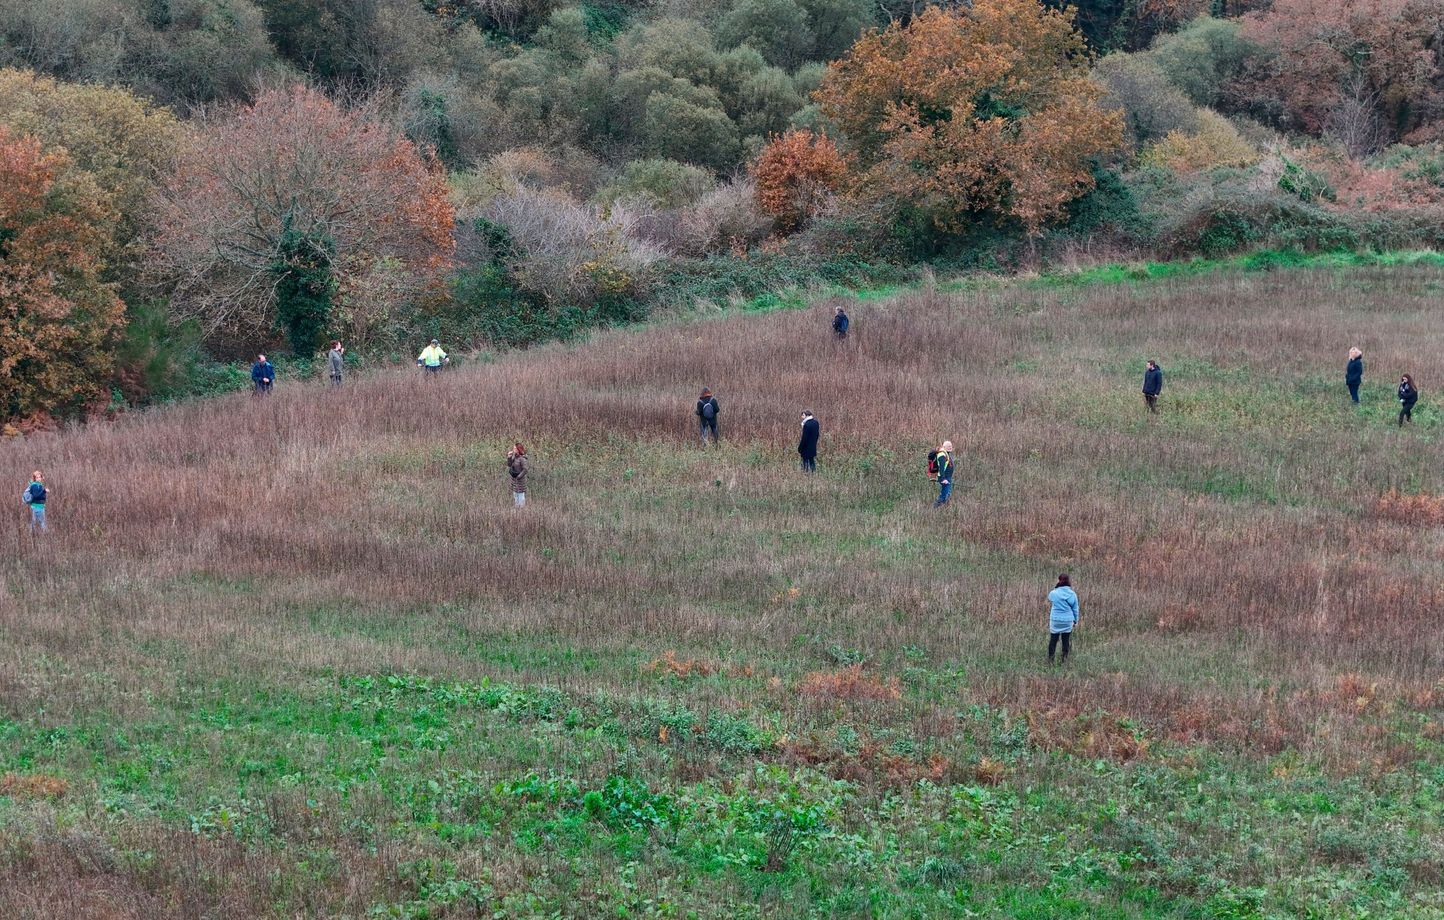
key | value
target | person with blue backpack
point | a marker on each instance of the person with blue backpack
(707, 411)
(35, 496)
(840, 322)
(1062, 616)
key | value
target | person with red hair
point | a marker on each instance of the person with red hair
(516, 465)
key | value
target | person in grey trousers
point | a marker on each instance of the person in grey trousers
(336, 363)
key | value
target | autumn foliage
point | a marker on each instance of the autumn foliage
(1364, 71)
(296, 162)
(795, 174)
(57, 318)
(964, 113)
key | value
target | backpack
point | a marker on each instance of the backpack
(30, 494)
(932, 463)
(709, 410)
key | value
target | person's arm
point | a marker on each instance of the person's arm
(1073, 602)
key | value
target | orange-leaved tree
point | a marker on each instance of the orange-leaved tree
(795, 173)
(296, 173)
(971, 112)
(58, 320)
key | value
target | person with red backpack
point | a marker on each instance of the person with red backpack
(940, 467)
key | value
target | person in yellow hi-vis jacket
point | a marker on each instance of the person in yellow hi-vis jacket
(432, 358)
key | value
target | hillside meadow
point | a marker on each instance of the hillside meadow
(299, 657)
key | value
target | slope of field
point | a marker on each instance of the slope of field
(299, 656)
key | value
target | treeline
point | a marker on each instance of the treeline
(188, 181)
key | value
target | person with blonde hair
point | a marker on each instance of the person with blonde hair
(940, 463)
(35, 496)
(516, 468)
(1354, 373)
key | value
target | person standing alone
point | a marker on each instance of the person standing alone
(1408, 395)
(807, 445)
(1152, 385)
(432, 358)
(336, 363)
(1062, 616)
(35, 496)
(840, 322)
(516, 467)
(1354, 373)
(942, 464)
(263, 375)
(707, 410)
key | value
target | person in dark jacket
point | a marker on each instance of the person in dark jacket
(707, 412)
(840, 322)
(807, 445)
(336, 363)
(1354, 373)
(1408, 395)
(1152, 385)
(263, 375)
(35, 496)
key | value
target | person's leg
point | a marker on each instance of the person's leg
(945, 491)
(1066, 637)
(37, 518)
(1402, 413)
(1152, 400)
(1354, 392)
(1052, 645)
(518, 499)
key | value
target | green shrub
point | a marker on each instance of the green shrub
(665, 183)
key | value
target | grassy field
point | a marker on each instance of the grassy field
(298, 657)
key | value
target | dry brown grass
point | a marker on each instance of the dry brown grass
(849, 685)
(366, 530)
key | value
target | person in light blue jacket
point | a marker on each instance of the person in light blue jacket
(1062, 616)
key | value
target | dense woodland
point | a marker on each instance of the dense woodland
(189, 181)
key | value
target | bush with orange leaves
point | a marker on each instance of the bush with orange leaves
(975, 111)
(850, 685)
(796, 174)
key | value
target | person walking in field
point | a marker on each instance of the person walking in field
(432, 359)
(1408, 395)
(1062, 616)
(1354, 373)
(707, 410)
(516, 468)
(1152, 385)
(940, 464)
(840, 322)
(263, 376)
(35, 495)
(336, 363)
(807, 445)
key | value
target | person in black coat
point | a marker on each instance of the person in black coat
(840, 322)
(1152, 385)
(707, 412)
(1408, 395)
(807, 445)
(1354, 373)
